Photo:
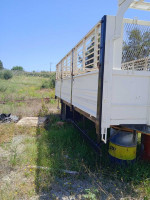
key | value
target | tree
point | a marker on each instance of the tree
(17, 68)
(1, 65)
(137, 45)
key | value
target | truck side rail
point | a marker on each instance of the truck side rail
(85, 56)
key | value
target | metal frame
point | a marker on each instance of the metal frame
(141, 5)
(123, 6)
(141, 63)
(79, 56)
(101, 78)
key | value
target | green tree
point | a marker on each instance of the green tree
(17, 68)
(1, 65)
(137, 45)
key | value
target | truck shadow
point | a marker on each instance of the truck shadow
(67, 166)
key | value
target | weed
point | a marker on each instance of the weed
(44, 110)
(91, 194)
(13, 157)
(27, 174)
(52, 101)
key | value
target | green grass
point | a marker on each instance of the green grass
(64, 148)
(23, 87)
(61, 147)
(13, 158)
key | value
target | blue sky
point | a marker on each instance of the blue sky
(34, 33)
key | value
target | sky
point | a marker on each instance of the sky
(35, 33)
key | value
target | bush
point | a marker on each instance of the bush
(7, 75)
(45, 84)
(49, 84)
(52, 83)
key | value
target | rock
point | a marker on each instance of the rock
(60, 123)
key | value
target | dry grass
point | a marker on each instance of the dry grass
(56, 148)
(28, 109)
(8, 131)
(24, 88)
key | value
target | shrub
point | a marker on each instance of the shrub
(52, 83)
(45, 84)
(7, 75)
(43, 111)
(49, 84)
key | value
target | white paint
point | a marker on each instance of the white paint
(141, 5)
(123, 6)
(57, 88)
(130, 97)
(66, 90)
(108, 66)
(126, 94)
(84, 92)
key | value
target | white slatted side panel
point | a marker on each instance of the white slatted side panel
(85, 55)
(84, 92)
(58, 88)
(66, 90)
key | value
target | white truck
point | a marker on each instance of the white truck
(106, 76)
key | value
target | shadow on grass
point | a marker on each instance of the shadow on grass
(61, 147)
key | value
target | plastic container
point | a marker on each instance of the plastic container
(122, 146)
